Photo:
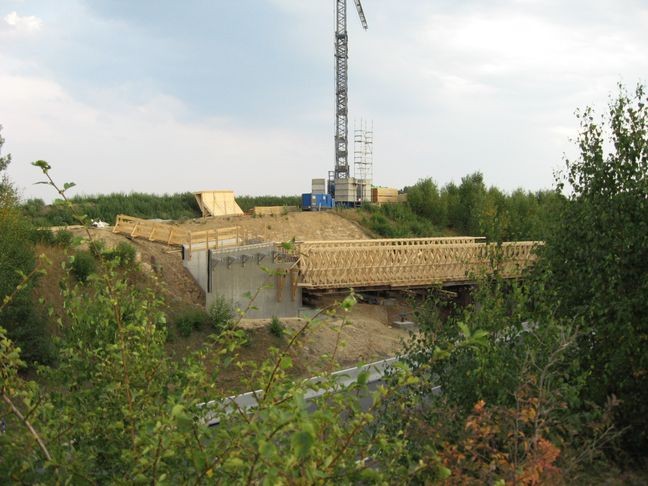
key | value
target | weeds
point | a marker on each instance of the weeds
(277, 328)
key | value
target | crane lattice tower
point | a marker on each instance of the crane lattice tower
(342, 88)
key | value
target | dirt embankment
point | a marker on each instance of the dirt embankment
(325, 225)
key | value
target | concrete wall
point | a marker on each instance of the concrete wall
(197, 266)
(235, 273)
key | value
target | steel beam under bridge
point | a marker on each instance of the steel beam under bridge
(407, 262)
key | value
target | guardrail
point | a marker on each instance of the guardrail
(343, 379)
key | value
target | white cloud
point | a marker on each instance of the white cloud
(144, 147)
(23, 23)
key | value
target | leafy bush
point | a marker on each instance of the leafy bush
(221, 313)
(189, 320)
(97, 247)
(21, 317)
(510, 407)
(597, 255)
(82, 265)
(44, 236)
(124, 252)
(276, 328)
(63, 238)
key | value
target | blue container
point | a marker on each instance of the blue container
(317, 202)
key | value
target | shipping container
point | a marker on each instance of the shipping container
(316, 202)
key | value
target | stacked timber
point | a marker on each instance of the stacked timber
(273, 210)
(382, 195)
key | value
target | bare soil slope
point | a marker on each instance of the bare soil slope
(325, 225)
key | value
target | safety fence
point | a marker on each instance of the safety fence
(176, 236)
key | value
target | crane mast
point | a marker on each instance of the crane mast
(342, 90)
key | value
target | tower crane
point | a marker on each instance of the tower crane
(342, 91)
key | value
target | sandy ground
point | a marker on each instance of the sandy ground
(362, 334)
(325, 225)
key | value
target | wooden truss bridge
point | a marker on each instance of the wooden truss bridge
(393, 263)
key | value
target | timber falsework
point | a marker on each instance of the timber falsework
(411, 262)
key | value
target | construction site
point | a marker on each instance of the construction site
(290, 262)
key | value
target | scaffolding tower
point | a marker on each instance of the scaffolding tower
(363, 159)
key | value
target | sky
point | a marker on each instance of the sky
(167, 96)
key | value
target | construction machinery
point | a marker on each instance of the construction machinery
(341, 173)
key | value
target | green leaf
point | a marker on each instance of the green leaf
(349, 302)
(363, 377)
(464, 329)
(285, 363)
(42, 164)
(183, 420)
(444, 473)
(370, 476)
(233, 463)
(302, 442)
(440, 353)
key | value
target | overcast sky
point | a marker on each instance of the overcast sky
(169, 96)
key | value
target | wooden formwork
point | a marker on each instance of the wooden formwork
(406, 262)
(175, 236)
(273, 210)
(218, 203)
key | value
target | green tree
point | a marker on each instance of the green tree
(8, 195)
(598, 256)
(425, 200)
(21, 318)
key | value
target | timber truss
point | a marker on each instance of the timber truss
(412, 262)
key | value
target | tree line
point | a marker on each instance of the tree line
(469, 208)
(106, 207)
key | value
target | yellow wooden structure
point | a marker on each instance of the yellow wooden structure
(383, 195)
(408, 262)
(217, 203)
(273, 210)
(173, 235)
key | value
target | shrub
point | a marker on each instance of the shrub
(83, 264)
(189, 320)
(124, 252)
(63, 238)
(221, 313)
(277, 328)
(98, 247)
(21, 317)
(44, 236)
(597, 257)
